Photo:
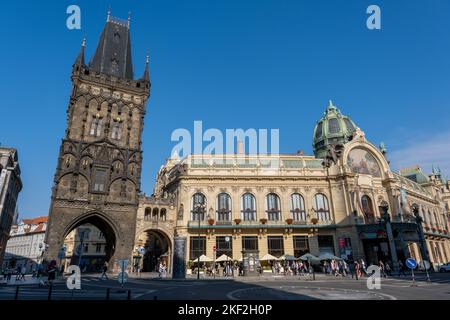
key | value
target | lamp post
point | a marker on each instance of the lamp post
(423, 247)
(199, 210)
(314, 231)
(386, 220)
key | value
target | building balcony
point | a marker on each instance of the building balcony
(258, 224)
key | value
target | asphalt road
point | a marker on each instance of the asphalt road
(266, 288)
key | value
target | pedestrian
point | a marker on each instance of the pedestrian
(388, 269)
(105, 268)
(358, 270)
(363, 267)
(51, 272)
(382, 269)
(23, 271)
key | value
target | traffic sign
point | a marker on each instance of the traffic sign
(411, 263)
(123, 264)
(122, 277)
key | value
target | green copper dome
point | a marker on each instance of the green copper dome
(333, 128)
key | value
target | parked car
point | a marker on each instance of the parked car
(445, 267)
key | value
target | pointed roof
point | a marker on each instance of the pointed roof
(80, 57)
(146, 76)
(113, 53)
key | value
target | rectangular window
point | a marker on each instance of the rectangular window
(326, 244)
(223, 246)
(275, 245)
(99, 179)
(197, 247)
(249, 243)
(301, 245)
(98, 248)
(86, 247)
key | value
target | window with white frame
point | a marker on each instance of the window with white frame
(297, 205)
(321, 207)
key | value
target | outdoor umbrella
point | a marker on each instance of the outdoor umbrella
(223, 257)
(287, 257)
(328, 256)
(203, 258)
(309, 257)
(268, 257)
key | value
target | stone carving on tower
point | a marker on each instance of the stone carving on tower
(98, 174)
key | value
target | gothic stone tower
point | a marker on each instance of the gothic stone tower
(98, 174)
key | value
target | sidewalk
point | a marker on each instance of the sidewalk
(29, 279)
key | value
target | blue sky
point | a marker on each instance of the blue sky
(235, 64)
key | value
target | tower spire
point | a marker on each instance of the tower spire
(80, 58)
(146, 75)
(108, 18)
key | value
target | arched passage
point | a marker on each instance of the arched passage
(157, 248)
(90, 243)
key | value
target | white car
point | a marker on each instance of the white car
(445, 267)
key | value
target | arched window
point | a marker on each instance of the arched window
(333, 126)
(162, 215)
(367, 208)
(147, 213)
(116, 130)
(321, 207)
(248, 207)
(155, 214)
(298, 207)
(96, 126)
(223, 207)
(198, 206)
(273, 207)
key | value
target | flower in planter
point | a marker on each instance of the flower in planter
(211, 221)
(263, 220)
(289, 221)
(314, 220)
(237, 221)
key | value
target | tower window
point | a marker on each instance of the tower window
(96, 126)
(319, 130)
(333, 126)
(99, 179)
(116, 132)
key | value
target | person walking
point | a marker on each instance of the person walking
(388, 269)
(382, 269)
(104, 269)
(51, 272)
(358, 270)
(23, 271)
(363, 267)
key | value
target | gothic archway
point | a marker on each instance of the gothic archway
(157, 248)
(90, 242)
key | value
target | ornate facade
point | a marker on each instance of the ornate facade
(98, 175)
(293, 204)
(222, 204)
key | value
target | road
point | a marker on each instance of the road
(265, 288)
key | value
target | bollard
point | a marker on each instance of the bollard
(129, 295)
(107, 293)
(50, 289)
(16, 296)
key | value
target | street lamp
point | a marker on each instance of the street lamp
(199, 210)
(314, 230)
(386, 220)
